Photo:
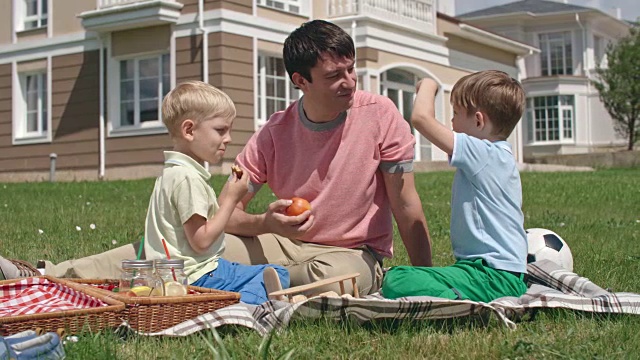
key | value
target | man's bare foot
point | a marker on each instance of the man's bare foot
(331, 294)
(298, 298)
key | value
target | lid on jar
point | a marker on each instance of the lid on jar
(137, 264)
(168, 264)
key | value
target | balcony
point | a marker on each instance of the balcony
(418, 14)
(114, 15)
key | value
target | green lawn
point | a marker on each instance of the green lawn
(597, 213)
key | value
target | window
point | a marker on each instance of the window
(34, 14)
(599, 50)
(292, 6)
(275, 91)
(550, 118)
(399, 85)
(31, 113)
(143, 84)
(555, 54)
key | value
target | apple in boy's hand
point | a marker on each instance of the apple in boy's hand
(297, 207)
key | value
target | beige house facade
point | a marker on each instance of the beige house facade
(81, 82)
(564, 113)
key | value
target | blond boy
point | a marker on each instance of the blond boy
(183, 209)
(487, 225)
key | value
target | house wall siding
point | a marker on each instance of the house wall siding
(5, 24)
(143, 40)
(231, 69)
(30, 35)
(136, 150)
(480, 51)
(74, 118)
(446, 75)
(281, 16)
(188, 58)
(75, 109)
(243, 6)
(65, 18)
(5, 110)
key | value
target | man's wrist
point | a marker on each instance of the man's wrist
(261, 224)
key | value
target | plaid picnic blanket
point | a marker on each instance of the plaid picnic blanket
(550, 287)
(38, 295)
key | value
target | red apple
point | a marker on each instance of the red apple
(298, 206)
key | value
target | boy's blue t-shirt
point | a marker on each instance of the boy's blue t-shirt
(486, 204)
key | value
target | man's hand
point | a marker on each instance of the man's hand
(292, 227)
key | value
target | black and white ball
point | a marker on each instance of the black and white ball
(546, 245)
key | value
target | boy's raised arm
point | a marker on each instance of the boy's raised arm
(424, 119)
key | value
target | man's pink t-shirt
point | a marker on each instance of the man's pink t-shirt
(337, 167)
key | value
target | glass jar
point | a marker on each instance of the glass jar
(138, 279)
(171, 272)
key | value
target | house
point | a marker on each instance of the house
(81, 82)
(564, 113)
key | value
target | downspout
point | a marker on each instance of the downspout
(205, 51)
(353, 31)
(205, 42)
(520, 134)
(585, 70)
(101, 170)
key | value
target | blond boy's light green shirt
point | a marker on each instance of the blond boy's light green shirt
(179, 193)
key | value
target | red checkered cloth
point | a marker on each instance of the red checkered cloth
(39, 295)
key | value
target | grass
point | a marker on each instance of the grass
(597, 213)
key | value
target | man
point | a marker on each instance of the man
(349, 153)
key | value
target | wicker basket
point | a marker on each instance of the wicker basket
(152, 314)
(72, 321)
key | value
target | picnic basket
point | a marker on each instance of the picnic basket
(150, 314)
(71, 321)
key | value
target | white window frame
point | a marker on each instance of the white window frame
(545, 49)
(20, 14)
(566, 126)
(600, 53)
(298, 7)
(20, 134)
(402, 88)
(261, 110)
(115, 127)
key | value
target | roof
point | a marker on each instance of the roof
(526, 6)
(487, 37)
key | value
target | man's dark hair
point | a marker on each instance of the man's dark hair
(303, 47)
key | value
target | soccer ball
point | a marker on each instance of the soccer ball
(546, 245)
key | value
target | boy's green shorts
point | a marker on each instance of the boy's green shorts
(464, 280)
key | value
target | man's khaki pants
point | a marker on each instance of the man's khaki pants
(106, 265)
(306, 262)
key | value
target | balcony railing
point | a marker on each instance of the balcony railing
(116, 15)
(103, 4)
(408, 12)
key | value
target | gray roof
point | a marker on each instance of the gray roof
(532, 6)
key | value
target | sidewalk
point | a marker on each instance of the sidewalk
(525, 167)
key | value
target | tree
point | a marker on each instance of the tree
(618, 84)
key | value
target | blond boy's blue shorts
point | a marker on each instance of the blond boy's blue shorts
(245, 279)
